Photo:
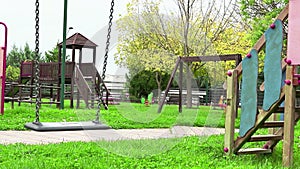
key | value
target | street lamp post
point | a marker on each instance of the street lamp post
(63, 63)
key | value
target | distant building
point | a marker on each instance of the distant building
(116, 85)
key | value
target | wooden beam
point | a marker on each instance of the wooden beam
(289, 119)
(94, 55)
(73, 53)
(180, 86)
(162, 101)
(231, 111)
(234, 57)
(254, 151)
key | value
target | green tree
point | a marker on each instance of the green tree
(14, 59)
(17, 55)
(51, 55)
(144, 83)
(188, 31)
(259, 14)
(12, 73)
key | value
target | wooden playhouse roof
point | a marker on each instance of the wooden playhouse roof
(78, 41)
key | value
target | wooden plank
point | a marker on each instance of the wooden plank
(289, 119)
(261, 42)
(270, 124)
(293, 49)
(180, 86)
(272, 67)
(256, 138)
(33, 101)
(281, 110)
(249, 93)
(235, 57)
(254, 151)
(162, 101)
(231, 111)
(33, 86)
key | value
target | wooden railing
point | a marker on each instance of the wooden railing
(48, 71)
(26, 69)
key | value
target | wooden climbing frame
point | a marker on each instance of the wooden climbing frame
(279, 92)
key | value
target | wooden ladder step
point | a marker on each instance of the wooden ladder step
(297, 93)
(254, 151)
(272, 124)
(33, 101)
(265, 138)
(281, 110)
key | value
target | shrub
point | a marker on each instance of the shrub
(12, 73)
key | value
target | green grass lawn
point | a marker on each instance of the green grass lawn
(125, 116)
(188, 152)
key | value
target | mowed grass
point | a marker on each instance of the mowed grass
(125, 116)
(188, 152)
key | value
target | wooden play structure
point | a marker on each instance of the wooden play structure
(280, 94)
(83, 78)
(179, 63)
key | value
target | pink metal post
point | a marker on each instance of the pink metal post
(3, 67)
(293, 50)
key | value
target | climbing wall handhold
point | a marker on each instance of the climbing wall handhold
(226, 150)
(288, 61)
(272, 26)
(229, 73)
(288, 82)
(248, 55)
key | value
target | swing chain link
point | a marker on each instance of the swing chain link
(36, 64)
(108, 39)
(100, 95)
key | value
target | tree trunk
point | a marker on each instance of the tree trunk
(158, 81)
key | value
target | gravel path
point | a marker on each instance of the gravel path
(33, 137)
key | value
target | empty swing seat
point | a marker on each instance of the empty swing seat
(66, 126)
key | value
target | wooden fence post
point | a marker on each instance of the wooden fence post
(231, 110)
(289, 118)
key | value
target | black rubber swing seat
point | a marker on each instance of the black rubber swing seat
(66, 126)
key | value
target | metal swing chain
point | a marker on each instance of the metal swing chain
(100, 95)
(36, 64)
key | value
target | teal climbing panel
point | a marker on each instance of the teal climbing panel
(272, 68)
(249, 93)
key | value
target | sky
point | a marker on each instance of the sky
(89, 17)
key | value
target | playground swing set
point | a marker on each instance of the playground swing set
(179, 64)
(37, 68)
